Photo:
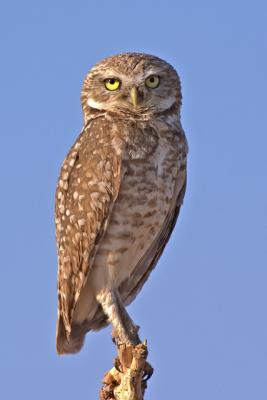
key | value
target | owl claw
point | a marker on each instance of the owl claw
(117, 364)
(148, 372)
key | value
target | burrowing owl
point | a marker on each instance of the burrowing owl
(119, 194)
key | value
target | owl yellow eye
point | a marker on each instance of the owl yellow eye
(112, 83)
(152, 81)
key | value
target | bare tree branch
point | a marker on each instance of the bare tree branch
(127, 380)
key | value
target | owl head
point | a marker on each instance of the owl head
(132, 84)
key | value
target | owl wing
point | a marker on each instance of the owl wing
(146, 264)
(87, 189)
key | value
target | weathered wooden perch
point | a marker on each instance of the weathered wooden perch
(127, 380)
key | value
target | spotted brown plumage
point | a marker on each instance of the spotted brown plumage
(119, 194)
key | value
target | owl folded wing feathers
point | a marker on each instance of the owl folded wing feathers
(87, 189)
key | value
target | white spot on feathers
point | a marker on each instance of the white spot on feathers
(81, 222)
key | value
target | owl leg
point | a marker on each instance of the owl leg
(121, 322)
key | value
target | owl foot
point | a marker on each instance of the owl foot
(129, 375)
(126, 335)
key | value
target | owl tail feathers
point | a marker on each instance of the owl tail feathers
(70, 345)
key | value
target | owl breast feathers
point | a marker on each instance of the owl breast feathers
(120, 189)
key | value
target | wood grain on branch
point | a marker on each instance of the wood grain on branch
(127, 380)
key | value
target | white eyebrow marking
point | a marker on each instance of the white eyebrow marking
(153, 71)
(95, 104)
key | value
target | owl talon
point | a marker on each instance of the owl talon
(117, 364)
(148, 372)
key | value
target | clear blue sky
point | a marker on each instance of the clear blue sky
(203, 310)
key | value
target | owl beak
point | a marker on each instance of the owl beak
(134, 96)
